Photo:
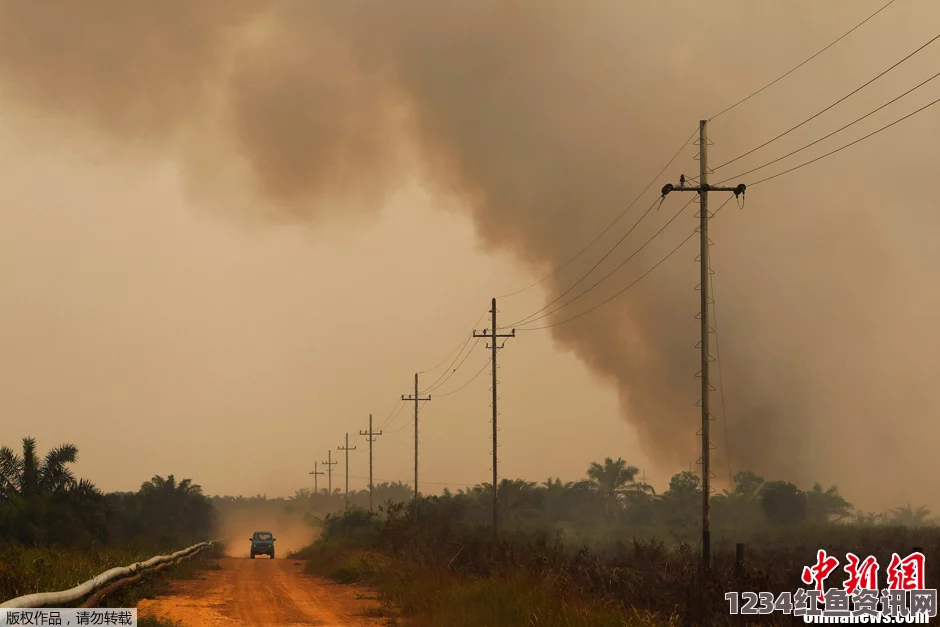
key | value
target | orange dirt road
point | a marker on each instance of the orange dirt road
(263, 592)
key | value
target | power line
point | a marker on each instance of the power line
(637, 280)
(396, 408)
(371, 438)
(704, 283)
(472, 379)
(585, 275)
(392, 418)
(452, 372)
(415, 397)
(783, 76)
(450, 368)
(459, 347)
(347, 448)
(887, 126)
(329, 470)
(609, 226)
(494, 335)
(721, 379)
(893, 100)
(445, 483)
(404, 426)
(622, 263)
(855, 91)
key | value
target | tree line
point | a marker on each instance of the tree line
(609, 497)
(612, 493)
(42, 503)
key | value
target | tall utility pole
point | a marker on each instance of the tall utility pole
(316, 488)
(347, 449)
(370, 435)
(492, 334)
(329, 470)
(705, 271)
(415, 398)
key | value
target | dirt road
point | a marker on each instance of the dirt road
(263, 592)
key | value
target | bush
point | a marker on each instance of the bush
(353, 525)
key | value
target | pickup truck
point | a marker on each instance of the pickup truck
(262, 543)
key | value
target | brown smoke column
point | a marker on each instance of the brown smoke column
(543, 118)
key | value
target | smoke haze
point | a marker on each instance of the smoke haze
(542, 121)
(291, 532)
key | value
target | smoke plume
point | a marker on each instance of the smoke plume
(544, 120)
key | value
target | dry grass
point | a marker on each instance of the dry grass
(31, 570)
(456, 575)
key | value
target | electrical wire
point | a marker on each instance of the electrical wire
(395, 417)
(586, 274)
(893, 100)
(410, 422)
(488, 361)
(450, 368)
(445, 483)
(773, 82)
(721, 376)
(622, 263)
(841, 148)
(459, 347)
(640, 278)
(609, 226)
(452, 372)
(395, 409)
(816, 115)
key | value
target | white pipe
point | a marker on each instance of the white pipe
(57, 599)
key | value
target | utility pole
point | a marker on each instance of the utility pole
(316, 488)
(347, 449)
(705, 271)
(492, 334)
(329, 470)
(415, 398)
(370, 435)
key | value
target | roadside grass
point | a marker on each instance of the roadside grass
(423, 594)
(447, 573)
(28, 570)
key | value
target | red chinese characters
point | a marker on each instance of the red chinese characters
(862, 574)
(819, 572)
(907, 573)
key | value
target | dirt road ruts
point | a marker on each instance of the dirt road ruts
(263, 592)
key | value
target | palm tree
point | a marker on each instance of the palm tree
(827, 505)
(909, 517)
(612, 479)
(518, 496)
(28, 476)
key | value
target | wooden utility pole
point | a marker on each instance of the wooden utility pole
(329, 470)
(493, 335)
(316, 488)
(370, 435)
(705, 272)
(415, 398)
(347, 449)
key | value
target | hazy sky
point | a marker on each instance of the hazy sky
(230, 231)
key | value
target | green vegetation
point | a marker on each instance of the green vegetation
(312, 506)
(57, 531)
(607, 550)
